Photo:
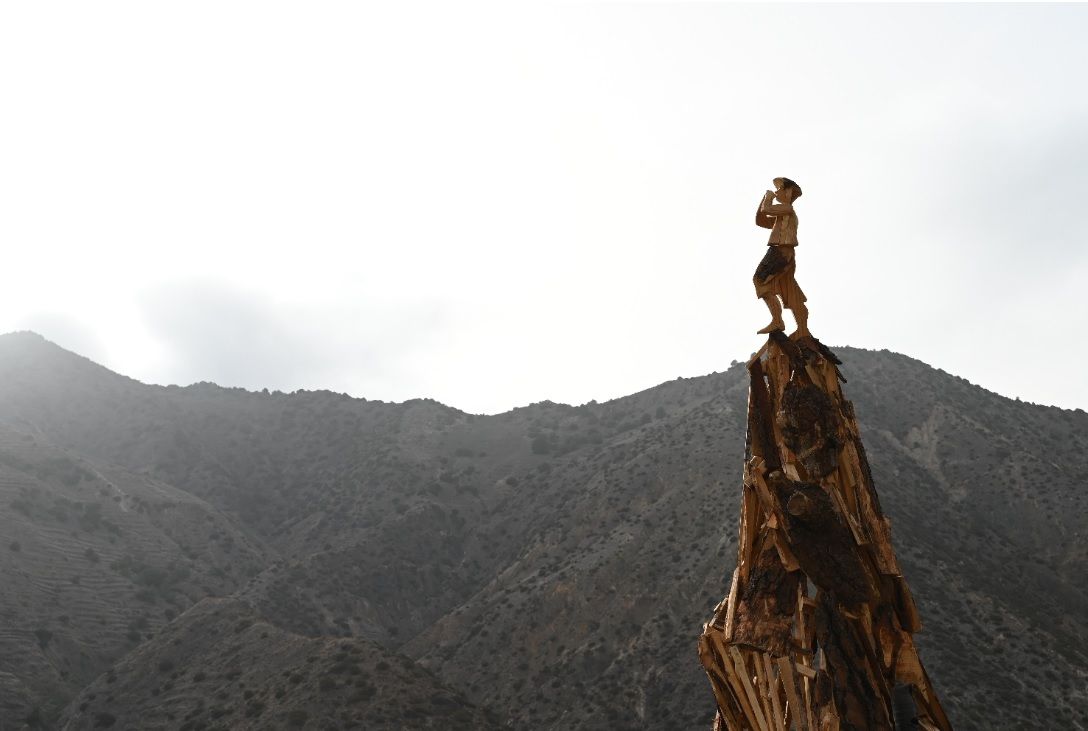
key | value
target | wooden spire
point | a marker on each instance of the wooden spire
(816, 631)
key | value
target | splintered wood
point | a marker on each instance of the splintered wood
(815, 634)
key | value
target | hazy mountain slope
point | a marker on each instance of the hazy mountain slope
(596, 619)
(401, 494)
(93, 561)
(555, 562)
(219, 666)
(318, 475)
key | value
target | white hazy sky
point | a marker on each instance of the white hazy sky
(492, 205)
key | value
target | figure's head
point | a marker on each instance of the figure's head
(786, 191)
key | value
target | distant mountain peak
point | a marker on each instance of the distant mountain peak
(24, 336)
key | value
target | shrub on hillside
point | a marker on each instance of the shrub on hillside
(104, 720)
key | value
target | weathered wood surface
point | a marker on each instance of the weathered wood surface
(815, 632)
(765, 604)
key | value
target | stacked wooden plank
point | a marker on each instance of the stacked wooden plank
(815, 633)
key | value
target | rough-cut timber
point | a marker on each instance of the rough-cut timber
(815, 634)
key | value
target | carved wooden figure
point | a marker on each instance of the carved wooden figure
(774, 276)
(816, 631)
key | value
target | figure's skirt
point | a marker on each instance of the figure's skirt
(774, 275)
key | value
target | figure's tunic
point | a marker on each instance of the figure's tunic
(775, 273)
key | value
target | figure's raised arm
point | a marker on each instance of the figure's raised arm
(775, 209)
(763, 220)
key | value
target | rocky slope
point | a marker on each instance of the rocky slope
(554, 563)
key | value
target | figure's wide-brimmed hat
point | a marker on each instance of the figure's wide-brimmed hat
(779, 182)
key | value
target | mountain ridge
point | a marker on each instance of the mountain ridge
(33, 336)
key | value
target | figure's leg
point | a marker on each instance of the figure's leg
(800, 314)
(776, 315)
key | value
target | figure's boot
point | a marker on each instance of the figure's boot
(776, 315)
(773, 327)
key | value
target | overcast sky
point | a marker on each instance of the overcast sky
(492, 205)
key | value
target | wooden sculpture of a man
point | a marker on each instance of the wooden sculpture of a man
(774, 276)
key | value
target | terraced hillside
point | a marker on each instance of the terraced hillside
(94, 561)
(553, 564)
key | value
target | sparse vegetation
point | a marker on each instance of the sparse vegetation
(44, 637)
(104, 719)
